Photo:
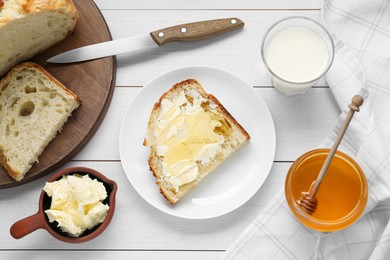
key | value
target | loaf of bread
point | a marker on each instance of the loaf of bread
(28, 27)
(33, 108)
(189, 133)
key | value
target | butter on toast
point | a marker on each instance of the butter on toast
(190, 133)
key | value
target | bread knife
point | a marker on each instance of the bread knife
(183, 32)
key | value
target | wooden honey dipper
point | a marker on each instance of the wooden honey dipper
(308, 201)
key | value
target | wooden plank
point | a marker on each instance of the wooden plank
(110, 255)
(138, 230)
(238, 51)
(206, 4)
(301, 123)
(136, 224)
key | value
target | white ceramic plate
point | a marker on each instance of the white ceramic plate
(232, 183)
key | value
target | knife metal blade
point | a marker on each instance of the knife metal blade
(104, 49)
(183, 32)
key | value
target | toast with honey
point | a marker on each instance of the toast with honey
(190, 133)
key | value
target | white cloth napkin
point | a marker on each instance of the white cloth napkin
(361, 30)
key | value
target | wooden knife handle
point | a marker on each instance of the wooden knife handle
(196, 31)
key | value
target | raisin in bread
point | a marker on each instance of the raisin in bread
(190, 134)
(33, 108)
(31, 26)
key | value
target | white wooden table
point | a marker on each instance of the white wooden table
(138, 230)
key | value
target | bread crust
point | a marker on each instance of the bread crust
(31, 6)
(4, 161)
(34, 7)
(153, 159)
(48, 75)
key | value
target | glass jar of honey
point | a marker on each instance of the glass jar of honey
(341, 197)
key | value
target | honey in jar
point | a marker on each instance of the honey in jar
(342, 195)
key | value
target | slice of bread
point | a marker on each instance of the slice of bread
(28, 27)
(189, 133)
(33, 108)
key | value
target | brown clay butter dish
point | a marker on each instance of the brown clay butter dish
(75, 206)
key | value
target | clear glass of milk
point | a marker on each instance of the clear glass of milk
(297, 51)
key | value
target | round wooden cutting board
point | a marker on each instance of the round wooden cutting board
(93, 81)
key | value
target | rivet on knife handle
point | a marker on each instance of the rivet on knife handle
(196, 31)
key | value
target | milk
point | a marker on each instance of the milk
(297, 56)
